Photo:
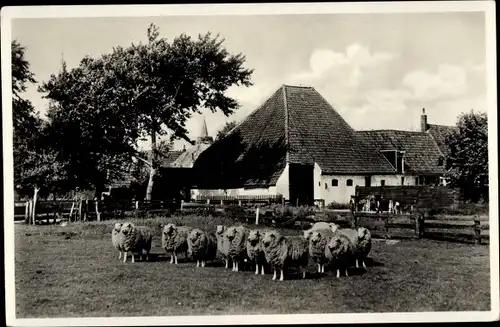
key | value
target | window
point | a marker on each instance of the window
(319, 183)
(349, 182)
(402, 181)
(326, 186)
(382, 182)
(335, 182)
(368, 181)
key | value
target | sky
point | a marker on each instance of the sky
(377, 70)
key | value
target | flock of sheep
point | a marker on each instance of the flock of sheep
(324, 243)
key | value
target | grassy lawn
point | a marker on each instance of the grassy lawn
(73, 271)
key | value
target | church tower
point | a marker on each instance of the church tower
(203, 133)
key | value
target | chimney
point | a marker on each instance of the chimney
(423, 121)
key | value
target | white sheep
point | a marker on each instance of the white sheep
(340, 251)
(202, 246)
(318, 226)
(317, 243)
(136, 240)
(364, 245)
(222, 244)
(237, 250)
(117, 238)
(174, 240)
(254, 250)
(281, 252)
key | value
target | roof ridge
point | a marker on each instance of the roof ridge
(449, 126)
(287, 118)
(388, 130)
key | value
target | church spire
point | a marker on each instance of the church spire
(203, 134)
(203, 131)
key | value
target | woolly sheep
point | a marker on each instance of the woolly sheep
(174, 240)
(281, 251)
(222, 244)
(317, 243)
(318, 226)
(340, 251)
(117, 238)
(364, 245)
(254, 250)
(136, 240)
(237, 250)
(202, 246)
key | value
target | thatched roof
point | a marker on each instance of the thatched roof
(422, 156)
(295, 124)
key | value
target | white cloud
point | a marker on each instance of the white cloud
(325, 62)
(448, 81)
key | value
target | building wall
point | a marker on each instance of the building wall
(234, 192)
(342, 192)
(318, 182)
(283, 183)
(282, 187)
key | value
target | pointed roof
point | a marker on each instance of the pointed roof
(296, 124)
(203, 128)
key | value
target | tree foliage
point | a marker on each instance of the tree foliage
(35, 164)
(225, 130)
(467, 158)
(141, 91)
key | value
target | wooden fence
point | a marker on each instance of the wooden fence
(84, 210)
(470, 228)
(426, 197)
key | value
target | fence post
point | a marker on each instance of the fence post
(257, 212)
(355, 220)
(477, 231)
(80, 210)
(386, 223)
(221, 202)
(420, 226)
(283, 201)
(239, 203)
(97, 210)
(33, 211)
(182, 205)
(85, 216)
(26, 212)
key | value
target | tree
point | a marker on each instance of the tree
(36, 166)
(225, 130)
(87, 131)
(145, 91)
(467, 160)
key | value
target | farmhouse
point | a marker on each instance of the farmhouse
(296, 145)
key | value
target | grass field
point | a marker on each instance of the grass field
(73, 271)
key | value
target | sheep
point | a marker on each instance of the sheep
(117, 238)
(340, 252)
(136, 240)
(361, 240)
(237, 251)
(174, 240)
(364, 245)
(318, 226)
(222, 244)
(281, 251)
(317, 243)
(202, 246)
(254, 250)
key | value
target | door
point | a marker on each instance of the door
(368, 181)
(301, 179)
